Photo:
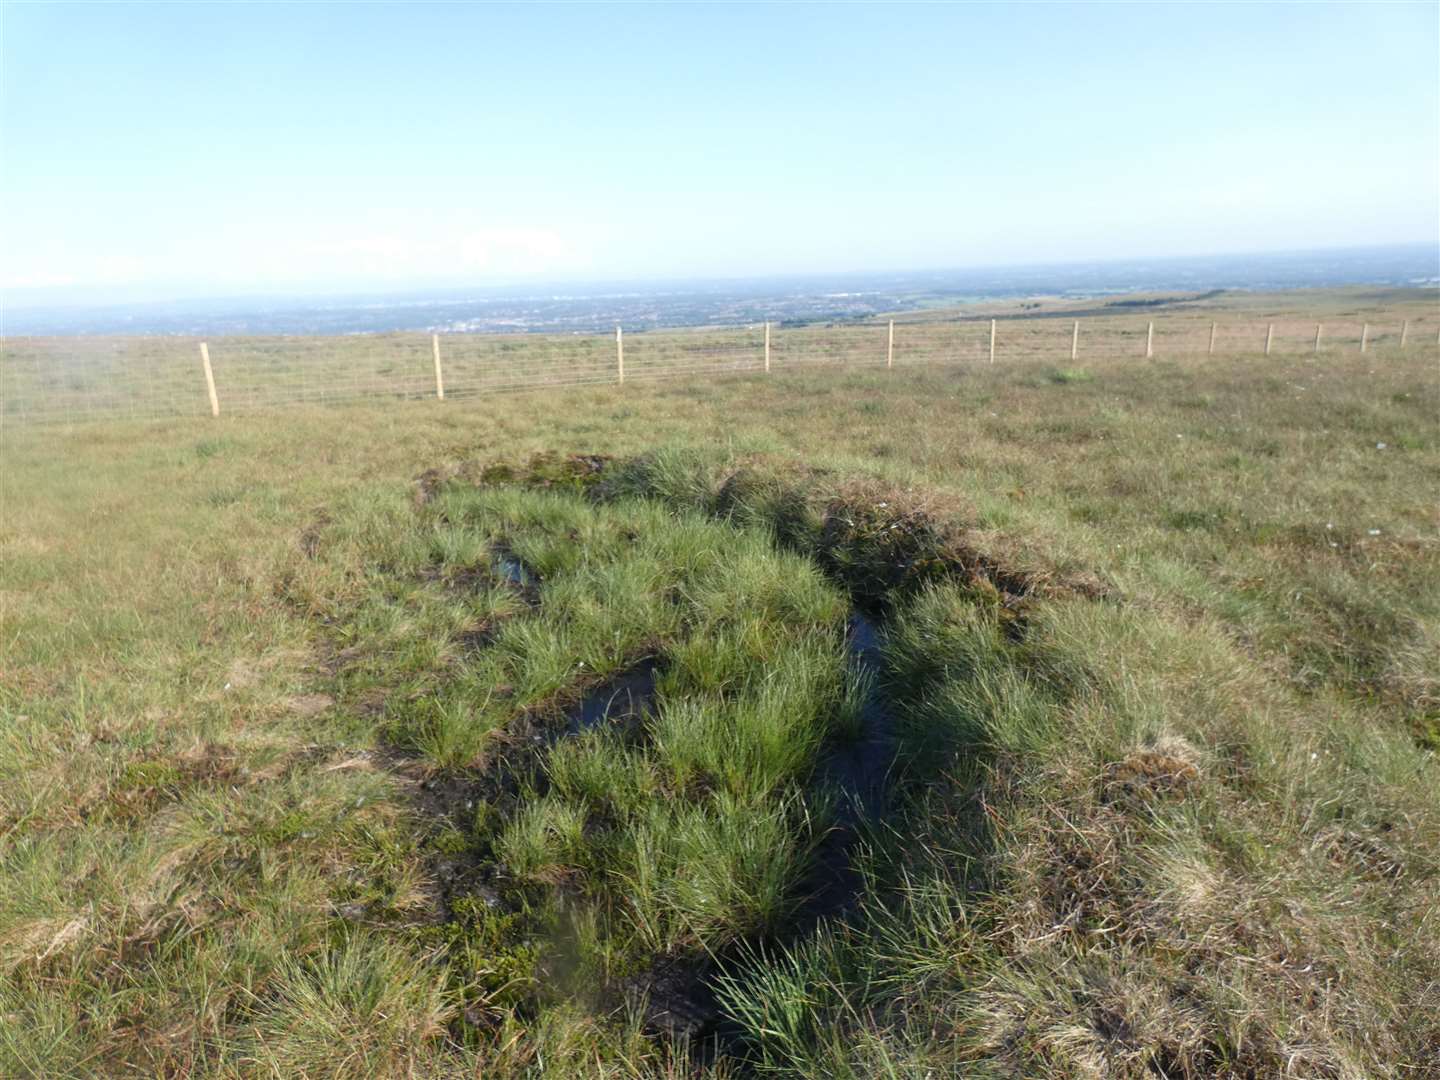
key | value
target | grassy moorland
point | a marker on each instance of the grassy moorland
(137, 377)
(397, 741)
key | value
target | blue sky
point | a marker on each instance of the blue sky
(162, 150)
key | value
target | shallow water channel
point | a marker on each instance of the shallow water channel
(861, 767)
(855, 771)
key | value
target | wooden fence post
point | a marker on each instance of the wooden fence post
(1269, 337)
(1211, 351)
(890, 347)
(439, 379)
(1150, 342)
(767, 348)
(1364, 336)
(1404, 332)
(1075, 341)
(209, 379)
(1319, 327)
(992, 341)
(620, 354)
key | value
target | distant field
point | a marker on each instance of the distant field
(1046, 719)
(65, 379)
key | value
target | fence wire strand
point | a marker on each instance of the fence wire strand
(73, 379)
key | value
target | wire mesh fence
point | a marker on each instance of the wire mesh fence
(81, 378)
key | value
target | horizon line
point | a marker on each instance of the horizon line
(300, 292)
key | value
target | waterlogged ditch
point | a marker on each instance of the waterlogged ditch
(670, 737)
(677, 995)
(859, 770)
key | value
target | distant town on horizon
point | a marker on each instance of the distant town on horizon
(586, 307)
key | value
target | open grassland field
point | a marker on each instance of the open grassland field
(74, 379)
(1044, 719)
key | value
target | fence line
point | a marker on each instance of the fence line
(59, 379)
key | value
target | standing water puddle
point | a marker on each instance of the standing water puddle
(861, 766)
(624, 697)
(514, 571)
(857, 770)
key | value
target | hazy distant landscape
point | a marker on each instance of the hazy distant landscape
(641, 305)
